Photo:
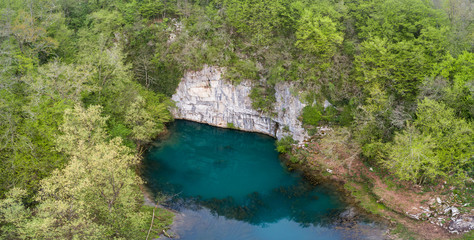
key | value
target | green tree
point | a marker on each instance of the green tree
(398, 67)
(459, 90)
(397, 20)
(256, 19)
(312, 115)
(318, 34)
(285, 145)
(437, 144)
(96, 195)
(412, 157)
(462, 31)
(146, 120)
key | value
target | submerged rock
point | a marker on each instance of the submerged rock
(350, 213)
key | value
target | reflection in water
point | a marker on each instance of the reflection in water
(230, 185)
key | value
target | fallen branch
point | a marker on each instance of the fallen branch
(152, 219)
(166, 234)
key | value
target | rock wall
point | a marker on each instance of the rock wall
(203, 96)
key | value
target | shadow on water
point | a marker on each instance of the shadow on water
(230, 184)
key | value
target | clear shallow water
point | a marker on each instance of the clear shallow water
(231, 185)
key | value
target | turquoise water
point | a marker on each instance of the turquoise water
(229, 184)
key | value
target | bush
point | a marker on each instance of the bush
(263, 98)
(231, 125)
(330, 114)
(285, 145)
(438, 144)
(240, 70)
(346, 117)
(312, 115)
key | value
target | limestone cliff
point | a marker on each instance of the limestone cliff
(205, 97)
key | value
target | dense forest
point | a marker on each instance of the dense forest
(85, 86)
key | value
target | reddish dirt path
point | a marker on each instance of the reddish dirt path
(344, 165)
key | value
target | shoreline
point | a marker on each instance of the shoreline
(313, 179)
(368, 189)
(354, 192)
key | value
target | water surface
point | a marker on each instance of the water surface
(229, 184)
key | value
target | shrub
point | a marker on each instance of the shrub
(285, 144)
(240, 70)
(231, 125)
(438, 144)
(263, 98)
(312, 115)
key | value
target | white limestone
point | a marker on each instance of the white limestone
(204, 96)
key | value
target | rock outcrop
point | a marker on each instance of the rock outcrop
(204, 96)
(461, 224)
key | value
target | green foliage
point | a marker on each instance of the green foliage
(398, 67)
(346, 116)
(263, 98)
(150, 9)
(412, 157)
(397, 20)
(330, 114)
(285, 144)
(312, 115)
(49, 152)
(242, 70)
(117, 129)
(256, 19)
(462, 31)
(452, 136)
(146, 120)
(318, 34)
(169, 76)
(372, 120)
(459, 92)
(120, 59)
(231, 125)
(105, 22)
(438, 144)
(315, 113)
(13, 213)
(28, 130)
(96, 195)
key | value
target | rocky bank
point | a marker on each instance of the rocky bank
(204, 96)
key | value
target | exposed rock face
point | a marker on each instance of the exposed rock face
(205, 97)
(461, 224)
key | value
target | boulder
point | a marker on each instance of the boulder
(453, 211)
(461, 224)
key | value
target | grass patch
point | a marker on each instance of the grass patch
(403, 232)
(163, 220)
(390, 184)
(361, 192)
(326, 174)
(467, 236)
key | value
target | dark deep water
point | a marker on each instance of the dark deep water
(230, 184)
